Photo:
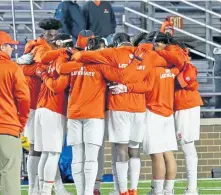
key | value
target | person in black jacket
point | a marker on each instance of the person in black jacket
(99, 17)
(71, 17)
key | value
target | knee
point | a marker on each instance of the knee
(157, 157)
(189, 149)
(121, 152)
(134, 150)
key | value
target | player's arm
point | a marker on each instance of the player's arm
(174, 57)
(68, 67)
(29, 70)
(143, 86)
(56, 85)
(52, 55)
(193, 86)
(105, 56)
(40, 53)
(22, 96)
(111, 73)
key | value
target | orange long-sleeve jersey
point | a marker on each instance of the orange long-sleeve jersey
(121, 58)
(37, 48)
(54, 94)
(190, 96)
(14, 97)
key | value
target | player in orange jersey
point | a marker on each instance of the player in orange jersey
(50, 117)
(30, 60)
(187, 107)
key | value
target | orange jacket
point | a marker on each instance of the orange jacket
(38, 48)
(120, 58)
(53, 94)
(15, 98)
(188, 97)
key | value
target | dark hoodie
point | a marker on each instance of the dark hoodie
(71, 16)
(100, 19)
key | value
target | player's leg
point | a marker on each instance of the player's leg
(34, 156)
(100, 170)
(153, 145)
(41, 166)
(122, 166)
(170, 145)
(187, 124)
(119, 129)
(93, 133)
(136, 137)
(52, 134)
(134, 166)
(75, 139)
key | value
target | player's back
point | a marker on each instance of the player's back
(87, 93)
(161, 99)
(130, 102)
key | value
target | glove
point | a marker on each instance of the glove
(25, 59)
(118, 89)
(40, 71)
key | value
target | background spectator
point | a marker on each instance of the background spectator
(71, 17)
(99, 18)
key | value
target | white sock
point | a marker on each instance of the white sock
(58, 184)
(47, 188)
(78, 175)
(158, 185)
(41, 165)
(77, 167)
(50, 169)
(122, 169)
(32, 169)
(134, 170)
(191, 161)
(169, 185)
(90, 172)
(90, 167)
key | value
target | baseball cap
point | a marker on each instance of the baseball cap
(83, 37)
(6, 39)
(187, 76)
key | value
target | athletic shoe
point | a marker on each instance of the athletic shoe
(114, 193)
(97, 192)
(155, 193)
(191, 192)
(133, 192)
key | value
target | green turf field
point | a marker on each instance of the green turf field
(208, 187)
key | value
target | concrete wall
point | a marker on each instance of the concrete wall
(208, 147)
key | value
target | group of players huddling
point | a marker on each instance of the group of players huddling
(132, 93)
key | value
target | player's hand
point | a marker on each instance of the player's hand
(40, 71)
(118, 89)
(25, 59)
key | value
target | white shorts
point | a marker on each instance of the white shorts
(126, 126)
(187, 124)
(49, 130)
(85, 131)
(160, 134)
(29, 128)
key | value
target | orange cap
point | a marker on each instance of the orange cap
(187, 76)
(83, 37)
(6, 39)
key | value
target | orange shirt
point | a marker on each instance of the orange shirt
(184, 98)
(53, 94)
(38, 48)
(120, 58)
(14, 97)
